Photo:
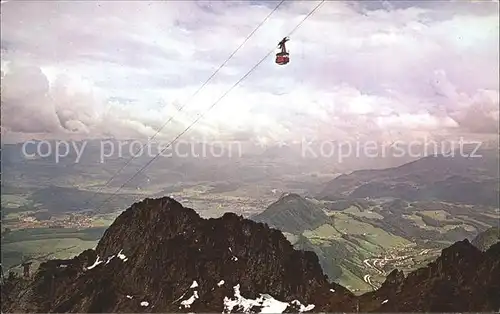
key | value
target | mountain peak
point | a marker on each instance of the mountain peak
(460, 249)
(293, 213)
(147, 219)
(290, 196)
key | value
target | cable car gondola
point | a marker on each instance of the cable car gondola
(283, 57)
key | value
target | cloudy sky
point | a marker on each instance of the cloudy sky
(367, 69)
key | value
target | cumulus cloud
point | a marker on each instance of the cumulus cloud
(26, 106)
(357, 70)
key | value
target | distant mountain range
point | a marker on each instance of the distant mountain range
(465, 180)
(161, 257)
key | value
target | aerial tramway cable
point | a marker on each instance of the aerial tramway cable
(187, 102)
(201, 115)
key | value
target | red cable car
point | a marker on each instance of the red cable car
(283, 57)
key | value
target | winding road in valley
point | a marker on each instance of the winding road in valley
(377, 264)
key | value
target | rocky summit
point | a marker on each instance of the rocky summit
(159, 256)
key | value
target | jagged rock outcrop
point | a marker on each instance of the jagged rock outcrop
(156, 249)
(161, 257)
